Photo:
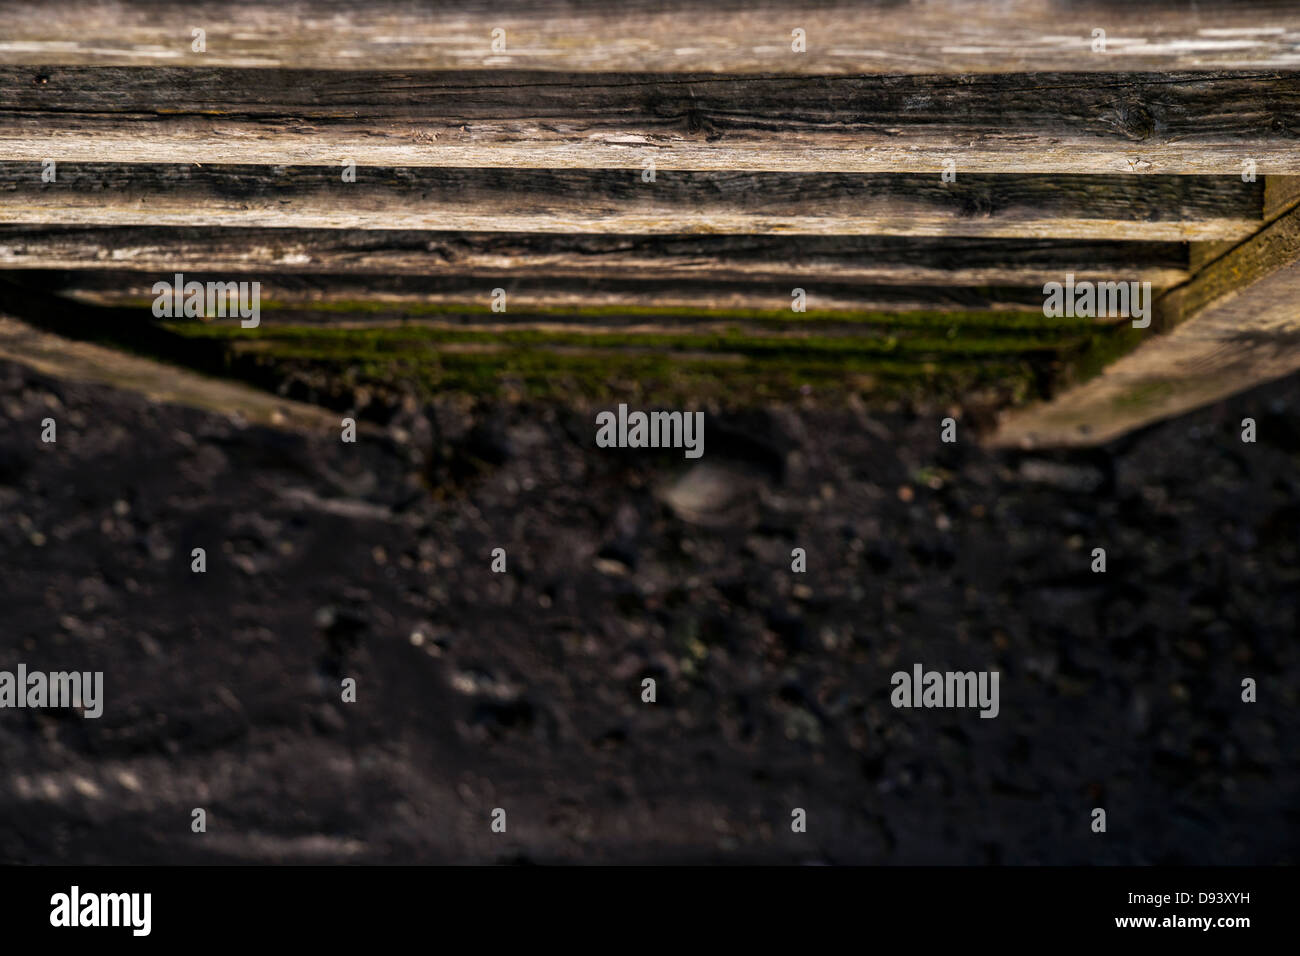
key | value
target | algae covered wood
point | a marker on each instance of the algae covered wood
(1233, 326)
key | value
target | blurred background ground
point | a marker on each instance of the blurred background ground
(522, 690)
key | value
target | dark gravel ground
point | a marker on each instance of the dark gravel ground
(522, 690)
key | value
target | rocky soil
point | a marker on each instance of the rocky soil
(522, 690)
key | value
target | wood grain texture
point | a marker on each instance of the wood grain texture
(1159, 208)
(74, 361)
(1201, 254)
(883, 260)
(1233, 326)
(1208, 123)
(752, 36)
(375, 295)
(1281, 195)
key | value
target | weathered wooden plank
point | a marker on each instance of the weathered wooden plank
(883, 260)
(674, 328)
(1208, 123)
(1235, 325)
(386, 295)
(70, 360)
(1148, 208)
(1201, 254)
(1281, 195)
(912, 36)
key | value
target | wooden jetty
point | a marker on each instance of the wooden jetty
(700, 199)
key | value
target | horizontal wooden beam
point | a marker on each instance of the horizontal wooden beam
(1148, 208)
(753, 36)
(824, 260)
(1210, 123)
(1233, 326)
(332, 297)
